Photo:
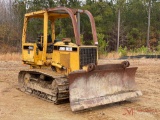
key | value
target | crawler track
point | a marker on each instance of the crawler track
(45, 84)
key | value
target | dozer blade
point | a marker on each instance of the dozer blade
(106, 84)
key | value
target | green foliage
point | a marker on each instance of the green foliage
(122, 51)
(61, 35)
(133, 27)
(81, 38)
(35, 28)
(102, 44)
(142, 50)
(158, 47)
(133, 37)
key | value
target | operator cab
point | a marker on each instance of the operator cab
(53, 47)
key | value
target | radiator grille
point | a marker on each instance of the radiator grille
(88, 55)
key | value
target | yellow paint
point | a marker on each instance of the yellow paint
(35, 14)
(65, 61)
(53, 30)
(45, 31)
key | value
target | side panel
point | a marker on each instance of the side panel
(31, 54)
(28, 52)
(68, 59)
(74, 61)
(65, 59)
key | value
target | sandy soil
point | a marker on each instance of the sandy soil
(15, 105)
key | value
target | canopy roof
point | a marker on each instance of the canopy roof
(64, 12)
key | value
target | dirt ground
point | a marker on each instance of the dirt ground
(15, 105)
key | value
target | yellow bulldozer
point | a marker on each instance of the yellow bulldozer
(61, 69)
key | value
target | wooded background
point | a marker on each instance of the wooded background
(133, 16)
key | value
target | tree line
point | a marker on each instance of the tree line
(125, 21)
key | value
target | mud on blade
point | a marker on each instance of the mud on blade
(101, 86)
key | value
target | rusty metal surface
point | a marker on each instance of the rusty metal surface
(102, 86)
(102, 100)
(93, 26)
(123, 65)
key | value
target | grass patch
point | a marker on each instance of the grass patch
(10, 57)
(117, 55)
(110, 55)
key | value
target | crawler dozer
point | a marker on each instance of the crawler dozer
(61, 69)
